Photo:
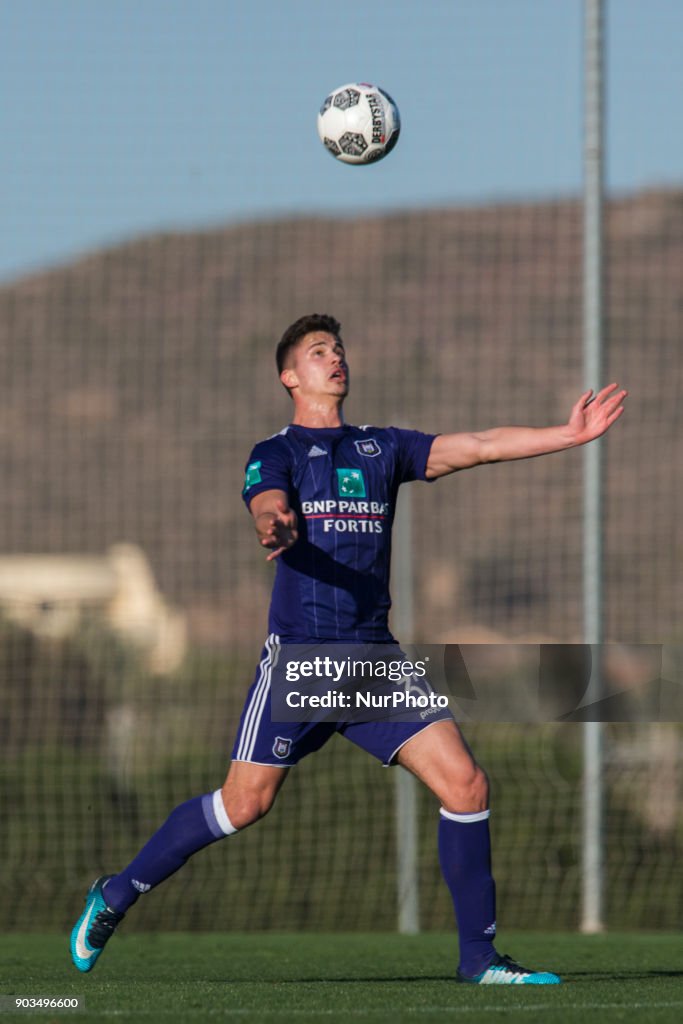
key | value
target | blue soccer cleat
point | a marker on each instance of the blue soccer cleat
(504, 971)
(94, 927)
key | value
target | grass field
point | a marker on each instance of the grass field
(347, 977)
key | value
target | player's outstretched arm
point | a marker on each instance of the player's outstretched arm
(275, 521)
(590, 417)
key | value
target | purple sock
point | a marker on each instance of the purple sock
(465, 856)
(189, 828)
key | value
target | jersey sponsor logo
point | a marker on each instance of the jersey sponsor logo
(329, 506)
(253, 475)
(281, 747)
(315, 451)
(348, 516)
(370, 448)
(353, 526)
(351, 483)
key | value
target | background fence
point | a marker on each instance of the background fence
(133, 384)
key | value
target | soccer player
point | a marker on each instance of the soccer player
(331, 585)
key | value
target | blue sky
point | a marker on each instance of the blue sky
(122, 117)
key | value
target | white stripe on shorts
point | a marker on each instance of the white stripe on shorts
(258, 700)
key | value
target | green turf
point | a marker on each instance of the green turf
(349, 977)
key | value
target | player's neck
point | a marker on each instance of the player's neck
(318, 415)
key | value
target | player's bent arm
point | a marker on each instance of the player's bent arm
(590, 418)
(274, 520)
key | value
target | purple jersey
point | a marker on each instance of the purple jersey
(342, 482)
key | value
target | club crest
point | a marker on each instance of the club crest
(368, 447)
(281, 747)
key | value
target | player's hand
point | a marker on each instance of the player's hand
(594, 414)
(281, 532)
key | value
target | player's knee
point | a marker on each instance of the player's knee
(469, 792)
(246, 806)
(481, 787)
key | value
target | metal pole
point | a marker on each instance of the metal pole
(408, 890)
(592, 919)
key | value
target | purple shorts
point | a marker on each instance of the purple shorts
(262, 741)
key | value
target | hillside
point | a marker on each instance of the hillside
(134, 382)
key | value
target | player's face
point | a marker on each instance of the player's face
(319, 367)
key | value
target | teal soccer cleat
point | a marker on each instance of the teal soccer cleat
(94, 927)
(504, 971)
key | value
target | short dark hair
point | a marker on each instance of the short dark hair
(301, 327)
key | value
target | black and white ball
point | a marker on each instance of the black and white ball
(359, 123)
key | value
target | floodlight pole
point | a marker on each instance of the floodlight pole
(592, 914)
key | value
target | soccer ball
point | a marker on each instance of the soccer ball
(359, 123)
